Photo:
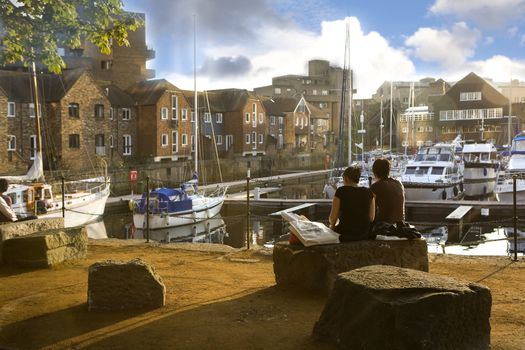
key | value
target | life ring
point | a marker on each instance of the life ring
(455, 191)
(444, 195)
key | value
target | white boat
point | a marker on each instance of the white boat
(481, 166)
(334, 182)
(172, 207)
(434, 174)
(509, 232)
(516, 166)
(84, 200)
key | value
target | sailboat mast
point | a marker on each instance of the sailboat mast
(391, 112)
(195, 102)
(38, 150)
(350, 92)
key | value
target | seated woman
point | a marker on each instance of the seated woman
(354, 206)
(389, 194)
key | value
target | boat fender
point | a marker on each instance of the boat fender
(461, 187)
(132, 205)
(455, 191)
(484, 171)
(444, 194)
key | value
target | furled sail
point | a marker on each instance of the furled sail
(35, 173)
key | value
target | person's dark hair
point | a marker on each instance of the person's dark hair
(3, 185)
(381, 168)
(352, 173)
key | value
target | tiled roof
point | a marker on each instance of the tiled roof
(148, 92)
(279, 106)
(118, 97)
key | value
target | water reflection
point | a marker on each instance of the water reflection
(208, 231)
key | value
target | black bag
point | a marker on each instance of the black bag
(400, 229)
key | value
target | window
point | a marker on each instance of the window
(99, 111)
(437, 170)
(111, 112)
(207, 117)
(281, 120)
(184, 140)
(260, 118)
(272, 120)
(404, 130)
(174, 141)
(470, 96)
(229, 141)
(296, 121)
(111, 141)
(277, 91)
(247, 118)
(106, 64)
(126, 114)
(218, 118)
(429, 129)
(174, 107)
(404, 144)
(164, 113)
(32, 144)
(219, 139)
(74, 141)
(73, 110)
(193, 116)
(164, 140)
(247, 138)
(126, 143)
(324, 92)
(11, 142)
(100, 148)
(254, 115)
(314, 92)
(261, 138)
(410, 170)
(11, 109)
(31, 110)
(254, 140)
(184, 114)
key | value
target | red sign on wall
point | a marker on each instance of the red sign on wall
(133, 175)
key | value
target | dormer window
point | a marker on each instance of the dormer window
(470, 96)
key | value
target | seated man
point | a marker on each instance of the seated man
(6, 213)
(354, 206)
(389, 194)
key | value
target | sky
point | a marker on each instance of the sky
(244, 43)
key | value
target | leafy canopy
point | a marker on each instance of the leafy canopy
(33, 30)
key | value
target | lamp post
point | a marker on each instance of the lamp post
(362, 131)
(381, 127)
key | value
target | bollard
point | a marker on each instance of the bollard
(147, 209)
(515, 217)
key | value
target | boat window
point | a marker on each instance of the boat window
(410, 171)
(431, 158)
(484, 156)
(420, 157)
(433, 150)
(519, 145)
(24, 196)
(47, 194)
(437, 170)
(445, 157)
(422, 170)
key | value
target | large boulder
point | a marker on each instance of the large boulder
(118, 285)
(316, 267)
(46, 248)
(387, 307)
(24, 228)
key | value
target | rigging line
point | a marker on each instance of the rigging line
(213, 135)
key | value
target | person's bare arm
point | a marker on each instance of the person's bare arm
(372, 210)
(6, 210)
(334, 212)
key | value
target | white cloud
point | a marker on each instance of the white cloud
(447, 48)
(498, 68)
(278, 51)
(489, 40)
(512, 31)
(487, 13)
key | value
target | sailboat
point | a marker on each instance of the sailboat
(172, 207)
(79, 202)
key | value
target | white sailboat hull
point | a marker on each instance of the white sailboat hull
(204, 208)
(505, 191)
(81, 211)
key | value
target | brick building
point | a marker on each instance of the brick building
(74, 124)
(244, 118)
(471, 105)
(163, 121)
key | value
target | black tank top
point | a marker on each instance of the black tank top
(354, 222)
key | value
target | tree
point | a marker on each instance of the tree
(34, 30)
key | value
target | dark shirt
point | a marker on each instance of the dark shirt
(354, 222)
(390, 201)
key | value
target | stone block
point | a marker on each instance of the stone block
(47, 248)
(315, 268)
(118, 285)
(387, 307)
(24, 228)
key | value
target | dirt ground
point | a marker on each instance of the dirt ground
(215, 300)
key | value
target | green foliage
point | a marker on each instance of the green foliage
(33, 30)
